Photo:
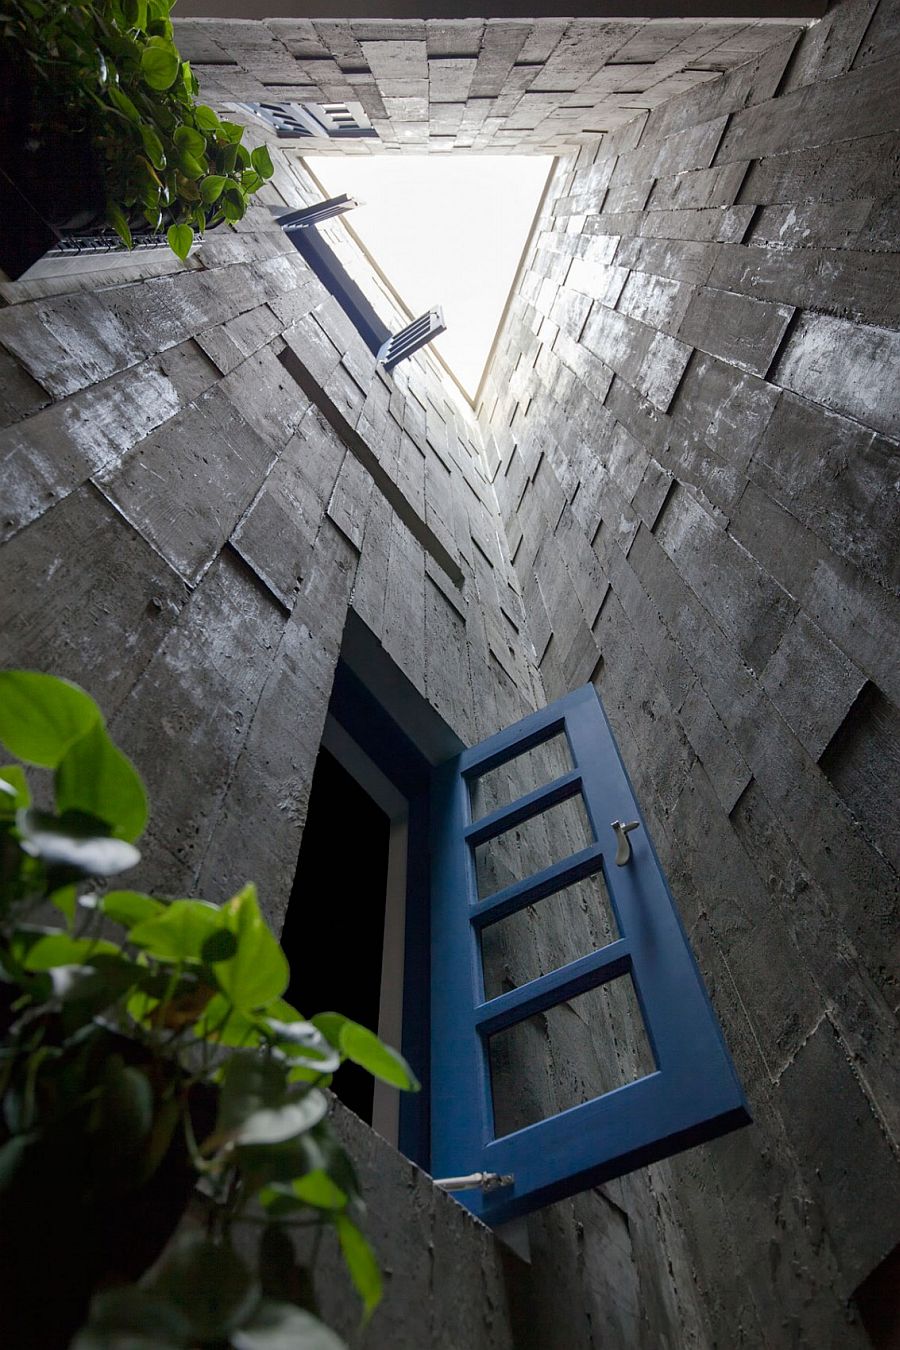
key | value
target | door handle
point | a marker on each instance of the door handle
(623, 849)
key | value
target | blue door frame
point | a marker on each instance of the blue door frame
(388, 747)
(693, 1095)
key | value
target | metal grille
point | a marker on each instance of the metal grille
(104, 241)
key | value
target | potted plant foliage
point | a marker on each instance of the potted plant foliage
(147, 1050)
(100, 128)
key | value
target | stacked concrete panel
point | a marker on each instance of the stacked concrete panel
(204, 474)
(695, 421)
(502, 85)
(691, 433)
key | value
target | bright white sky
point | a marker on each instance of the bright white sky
(447, 230)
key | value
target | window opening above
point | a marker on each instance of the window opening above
(317, 121)
(388, 348)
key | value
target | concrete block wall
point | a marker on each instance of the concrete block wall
(692, 425)
(202, 476)
(498, 86)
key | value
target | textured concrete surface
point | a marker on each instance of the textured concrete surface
(682, 485)
(536, 86)
(696, 399)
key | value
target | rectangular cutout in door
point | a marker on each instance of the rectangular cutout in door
(516, 777)
(532, 845)
(569, 1054)
(550, 933)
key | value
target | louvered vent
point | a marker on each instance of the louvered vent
(411, 338)
(317, 121)
(317, 213)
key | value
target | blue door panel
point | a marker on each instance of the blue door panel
(694, 1093)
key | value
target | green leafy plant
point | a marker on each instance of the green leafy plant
(148, 1048)
(111, 67)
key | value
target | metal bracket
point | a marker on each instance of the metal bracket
(483, 1181)
(623, 851)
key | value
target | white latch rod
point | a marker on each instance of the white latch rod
(484, 1181)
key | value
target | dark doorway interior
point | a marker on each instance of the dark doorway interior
(334, 931)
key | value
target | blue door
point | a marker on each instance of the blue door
(663, 1079)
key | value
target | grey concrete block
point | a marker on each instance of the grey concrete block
(20, 394)
(862, 761)
(743, 600)
(56, 450)
(85, 597)
(185, 720)
(860, 103)
(164, 487)
(812, 684)
(837, 478)
(856, 1188)
(741, 331)
(829, 48)
(848, 367)
(349, 503)
(652, 362)
(729, 408)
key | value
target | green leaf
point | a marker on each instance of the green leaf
(125, 105)
(94, 776)
(130, 907)
(40, 715)
(284, 1326)
(15, 794)
(74, 840)
(180, 239)
(160, 63)
(190, 166)
(226, 158)
(250, 1083)
(211, 188)
(153, 146)
(258, 971)
(250, 181)
(191, 141)
(361, 1263)
(262, 161)
(65, 898)
(223, 1025)
(116, 218)
(231, 132)
(304, 1043)
(219, 946)
(282, 1162)
(233, 206)
(209, 1283)
(133, 1319)
(316, 1189)
(276, 1124)
(364, 1048)
(179, 932)
(205, 118)
(45, 951)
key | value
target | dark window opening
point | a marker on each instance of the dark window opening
(334, 931)
(878, 1301)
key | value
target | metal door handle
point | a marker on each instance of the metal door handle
(623, 851)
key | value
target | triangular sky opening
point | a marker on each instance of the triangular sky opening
(446, 230)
